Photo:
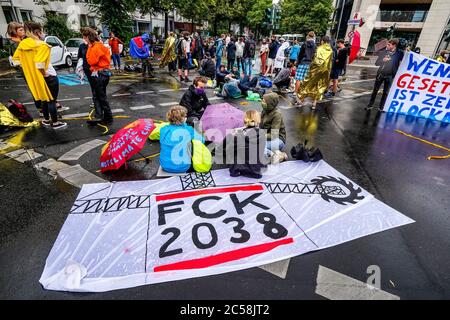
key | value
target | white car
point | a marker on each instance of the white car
(72, 45)
(59, 53)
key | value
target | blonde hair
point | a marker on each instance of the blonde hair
(12, 28)
(311, 35)
(176, 114)
(252, 118)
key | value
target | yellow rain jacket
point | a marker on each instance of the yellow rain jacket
(32, 55)
(168, 55)
(318, 77)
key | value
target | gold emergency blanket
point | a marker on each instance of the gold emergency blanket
(9, 120)
(318, 78)
(168, 55)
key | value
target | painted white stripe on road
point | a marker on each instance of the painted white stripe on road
(167, 90)
(77, 176)
(85, 114)
(69, 99)
(215, 98)
(80, 150)
(363, 66)
(23, 155)
(149, 106)
(52, 166)
(145, 92)
(337, 286)
(278, 268)
(165, 104)
(121, 94)
(356, 81)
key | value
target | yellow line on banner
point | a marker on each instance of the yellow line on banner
(147, 157)
(427, 142)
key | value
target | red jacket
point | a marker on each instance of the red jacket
(98, 56)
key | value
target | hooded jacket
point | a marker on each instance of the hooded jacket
(307, 51)
(175, 143)
(194, 103)
(271, 118)
(32, 55)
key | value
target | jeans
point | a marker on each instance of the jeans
(248, 66)
(381, 79)
(146, 67)
(230, 63)
(273, 145)
(218, 62)
(240, 63)
(49, 107)
(94, 95)
(103, 109)
(116, 59)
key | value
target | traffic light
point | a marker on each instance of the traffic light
(267, 21)
(277, 17)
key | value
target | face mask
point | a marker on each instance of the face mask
(199, 91)
(42, 37)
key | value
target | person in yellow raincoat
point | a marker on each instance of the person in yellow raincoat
(33, 54)
(168, 56)
(318, 78)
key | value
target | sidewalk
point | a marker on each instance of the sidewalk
(5, 68)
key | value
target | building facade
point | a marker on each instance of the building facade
(422, 23)
(77, 14)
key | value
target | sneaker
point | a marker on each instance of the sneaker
(278, 156)
(234, 173)
(369, 107)
(187, 79)
(59, 125)
(46, 123)
(61, 109)
(181, 78)
(329, 94)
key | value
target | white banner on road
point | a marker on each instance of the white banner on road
(126, 234)
(421, 88)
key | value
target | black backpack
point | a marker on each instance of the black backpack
(19, 111)
(179, 47)
(301, 152)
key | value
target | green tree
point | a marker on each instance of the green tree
(116, 15)
(256, 16)
(57, 26)
(301, 16)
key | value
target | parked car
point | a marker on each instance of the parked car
(72, 45)
(60, 55)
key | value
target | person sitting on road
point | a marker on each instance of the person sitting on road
(221, 75)
(208, 67)
(272, 122)
(248, 153)
(283, 79)
(175, 140)
(195, 100)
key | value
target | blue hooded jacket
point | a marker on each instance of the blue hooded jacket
(139, 47)
(175, 141)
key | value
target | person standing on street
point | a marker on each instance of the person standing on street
(388, 62)
(280, 57)
(263, 53)
(295, 50)
(33, 54)
(82, 51)
(239, 53)
(304, 59)
(338, 66)
(168, 56)
(99, 58)
(115, 51)
(273, 47)
(182, 45)
(318, 78)
(249, 54)
(140, 49)
(219, 50)
(231, 54)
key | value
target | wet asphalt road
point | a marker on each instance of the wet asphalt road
(362, 145)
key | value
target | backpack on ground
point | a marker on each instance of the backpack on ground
(301, 152)
(265, 83)
(19, 111)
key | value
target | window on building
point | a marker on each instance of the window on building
(26, 15)
(8, 14)
(83, 20)
(91, 22)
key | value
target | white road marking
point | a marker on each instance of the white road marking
(215, 98)
(52, 166)
(23, 155)
(121, 94)
(167, 90)
(149, 106)
(337, 286)
(363, 66)
(77, 176)
(145, 92)
(69, 99)
(80, 150)
(85, 114)
(356, 81)
(278, 268)
(165, 104)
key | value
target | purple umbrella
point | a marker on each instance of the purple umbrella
(218, 118)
